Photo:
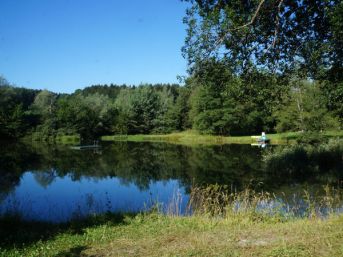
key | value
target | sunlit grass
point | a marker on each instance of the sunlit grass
(192, 137)
(187, 138)
(154, 234)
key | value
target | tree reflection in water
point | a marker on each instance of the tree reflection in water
(141, 164)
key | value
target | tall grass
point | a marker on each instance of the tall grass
(221, 201)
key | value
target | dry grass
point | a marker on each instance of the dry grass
(199, 236)
(158, 235)
(221, 201)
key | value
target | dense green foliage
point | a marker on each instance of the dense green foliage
(279, 36)
(92, 112)
(265, 65)
(13, 104)
(213, 102)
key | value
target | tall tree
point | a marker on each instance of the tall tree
(278, 35)
(304, 109)
(14, 102)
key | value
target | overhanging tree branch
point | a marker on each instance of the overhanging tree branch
(222, 38)
(277, 23)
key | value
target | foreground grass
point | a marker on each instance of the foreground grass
(194, 138)
(160, 235)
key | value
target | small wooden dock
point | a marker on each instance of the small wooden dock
(85, 147)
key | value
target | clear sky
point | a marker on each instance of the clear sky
(63, 45)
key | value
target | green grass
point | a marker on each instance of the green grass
(186, 138)
(160, 235)
(194, 138)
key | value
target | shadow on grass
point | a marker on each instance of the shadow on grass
(74, 252)
(19, 233)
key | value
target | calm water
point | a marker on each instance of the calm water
(56, 184)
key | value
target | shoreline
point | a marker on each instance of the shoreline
(193, 138)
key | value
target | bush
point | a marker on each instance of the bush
(306, 158)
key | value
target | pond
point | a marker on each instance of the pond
(49, 183)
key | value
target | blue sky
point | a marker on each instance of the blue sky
(63, 45)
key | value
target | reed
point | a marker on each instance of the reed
(221, 201)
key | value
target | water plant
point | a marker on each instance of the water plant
(219, 201)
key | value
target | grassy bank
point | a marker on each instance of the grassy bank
(215, 228)
(160, 235)
(193, 138)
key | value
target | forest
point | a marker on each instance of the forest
(236, 107)
(253, 66)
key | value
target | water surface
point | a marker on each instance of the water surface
(43, 182)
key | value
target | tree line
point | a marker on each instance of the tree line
(92, 112)
(215, 102)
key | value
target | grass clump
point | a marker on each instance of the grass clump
(218, 201)
(250, 205)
